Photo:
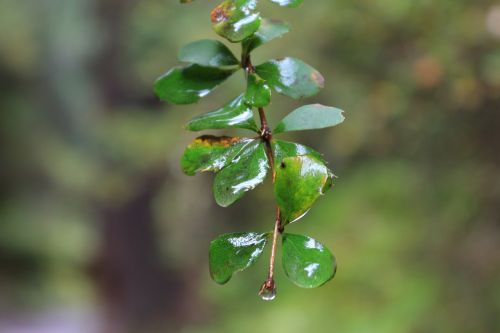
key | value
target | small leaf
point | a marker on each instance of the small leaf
(314, 116)
(233, 253)
(269, 30)
(300, 181)
(247, 170)
(236, 20)
(186, 85)
(291, 77)
(236, 114)
(209, 53)
(307, 262)
(258, 93)
(284, 149)
(210, 153)
(288, 3)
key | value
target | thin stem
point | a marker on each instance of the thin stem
(277, 231)
(266, 136)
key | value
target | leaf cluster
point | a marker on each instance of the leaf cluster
(299, 173)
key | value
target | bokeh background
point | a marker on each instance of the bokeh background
(100, 232)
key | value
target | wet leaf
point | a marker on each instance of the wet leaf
(268, 30)
(211, 153)
(284, 149)
(300, 181)
(186, 85)
(307, 262)
(209, 53)
(258, 93)
(291, 77)
(288, 3)
(236, 114)
(247, 170)
(307, 117)
(236, 20)
(233, 253)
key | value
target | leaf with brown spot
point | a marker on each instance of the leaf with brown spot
(211, 153)
(236, 20)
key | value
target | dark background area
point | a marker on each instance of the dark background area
(101, 232)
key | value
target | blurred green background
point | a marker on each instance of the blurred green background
(101, 232)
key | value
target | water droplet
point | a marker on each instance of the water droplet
(268, 295)
(268, 291)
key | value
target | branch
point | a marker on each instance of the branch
(268, 289)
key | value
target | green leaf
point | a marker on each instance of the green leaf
(236, 114)
(269, 30)
(307, 262)
(209, 53)
(233, 253)
(211, 153)
(236, 20)
(288, 3)
(291, 77)
(314, 116)
(247, 170)
(284, 149)
(300, 181)
(258, 93)
(186, 85)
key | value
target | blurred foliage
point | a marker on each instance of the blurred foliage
(413, 219)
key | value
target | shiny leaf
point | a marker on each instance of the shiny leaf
(211, 153)
(314, 116)
(236, 20)
(186, 85)
(236, 114)
(210, 53)
(233, 253)
(247, 170)
(300, 181)
(291, 77)
(269, 30)
(288, 3)
(284, 149)
(258, 93)
(307, 262)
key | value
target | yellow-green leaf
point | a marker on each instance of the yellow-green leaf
(300, 181)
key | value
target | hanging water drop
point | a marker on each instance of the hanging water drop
(268, 295)
(268, 291)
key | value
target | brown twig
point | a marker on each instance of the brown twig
(266, 136)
